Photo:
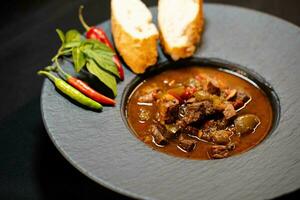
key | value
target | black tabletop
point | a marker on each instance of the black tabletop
(31, 167)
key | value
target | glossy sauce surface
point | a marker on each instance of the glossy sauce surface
(259, 105)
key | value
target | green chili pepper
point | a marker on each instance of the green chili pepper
(71, 92)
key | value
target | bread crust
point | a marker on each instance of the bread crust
(137, 53)
(193, 32)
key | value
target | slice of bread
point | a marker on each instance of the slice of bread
(134, 34)
(180, 23)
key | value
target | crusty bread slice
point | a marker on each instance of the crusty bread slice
(134, 34)
(180, 23)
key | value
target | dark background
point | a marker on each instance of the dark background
(30, 166)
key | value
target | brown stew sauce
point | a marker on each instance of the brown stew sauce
(142, 115)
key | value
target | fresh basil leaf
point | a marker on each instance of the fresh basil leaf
(73, 36)
(105, 77)
(72, 44)
(103, 61)
(99, 45)
(78, 58)
(107, 59)
(61, 35)
(105, 53)
(86, 46)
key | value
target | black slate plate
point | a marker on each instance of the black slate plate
(100, 145)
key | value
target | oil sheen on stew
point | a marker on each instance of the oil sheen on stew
(199, 113)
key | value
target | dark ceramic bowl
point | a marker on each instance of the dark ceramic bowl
(101, 146)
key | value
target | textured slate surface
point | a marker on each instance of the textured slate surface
(100, 146)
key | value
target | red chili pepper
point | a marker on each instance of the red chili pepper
(86, 89)
(99, 34)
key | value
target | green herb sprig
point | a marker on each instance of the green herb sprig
(89, 53)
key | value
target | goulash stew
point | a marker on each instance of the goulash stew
(199, 113)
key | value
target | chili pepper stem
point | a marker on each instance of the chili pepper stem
(50, 68)
(84, 24)
(58, 67)
(49, 75)
(60, 52)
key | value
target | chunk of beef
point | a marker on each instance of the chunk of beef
(168, 108)
(189, 113)
(186, 144)
(158, 136)
(221, 123)
(221, 136)
(216, 124)
(210, 126)
(219, 152)
(242, 96)
(193, 112)
(240, 100)
(209, 84)
(213, 88)
(204, 135)
(189, 130)
(229, 111)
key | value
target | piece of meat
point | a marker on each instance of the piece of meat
(193, 112)
(221, 136)
(242, 96)
(168, 108)
(209, 84)
(218, 152)
(240, 99)
(221, 123)
(210, 126)
(189, 113)
(221, 151)
(216, 124)
(189, 130)
(213, 88)
(157, 136)
(229, 111)
(205, 135)
(186, 144)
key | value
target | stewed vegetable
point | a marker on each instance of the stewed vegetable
(246, 123)
(199, 113)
